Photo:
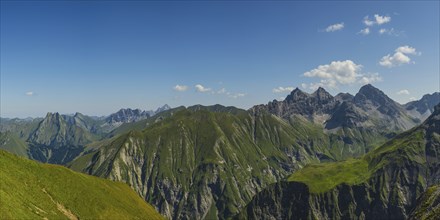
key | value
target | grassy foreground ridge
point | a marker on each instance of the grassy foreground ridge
(32, 190)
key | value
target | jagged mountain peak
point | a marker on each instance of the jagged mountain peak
(125, 115)
(296, 94)
(52, 114)
(163, 108)
(371, 92)
(370, 97)
(322, 95)
(344, 97)
(425, 105)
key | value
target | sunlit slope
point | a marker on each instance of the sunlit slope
(31, 190)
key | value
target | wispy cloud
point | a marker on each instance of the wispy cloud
(236, 95)
(365, 31)
(340, 72)
(335, 27)
(390, 31)
(221, 91)
(180, 88)
(30, 93)
(281, 89)
(403, 92)
(377, 20)
(200, 88)
(382, 19)
(400, 57)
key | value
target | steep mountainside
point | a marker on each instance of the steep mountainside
(20, 127)
(424, 107)
(384, 184)
(428, 205)
(59, 139)
(206, 162)
(31, 190)
(129, 115)
(356, 124)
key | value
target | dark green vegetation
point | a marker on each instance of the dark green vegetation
(31, 190)
(323, 177)
(428, 205)
(206, 161)
(383, 184)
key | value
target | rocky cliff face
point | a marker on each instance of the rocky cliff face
(59, 138)
(399, 172)
(201, 164)
(127, 115)
(428, 205)
(424, 107)
(298, 102)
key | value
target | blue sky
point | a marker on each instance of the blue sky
(97, 57)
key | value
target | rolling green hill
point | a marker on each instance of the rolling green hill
(31, 190)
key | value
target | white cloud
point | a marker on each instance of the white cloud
(30, 93)
(201, 88)
(408, 50)
(237, 95)
(180, 88)
(365, 31)
(367, 21)
(403, 92)
(369, 78)
(335, 27)
(304, 85)
(281, 89)
(340, 72)
(378, 19)
(382, 19)
(412, 99)
(221, 91)
(400, 57)
(390, 31)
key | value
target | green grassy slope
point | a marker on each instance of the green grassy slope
(12, 143)
(208, 161)
(323, 177)
(31, 190)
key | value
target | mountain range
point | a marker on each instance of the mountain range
(310, 156)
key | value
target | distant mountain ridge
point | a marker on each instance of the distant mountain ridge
(321, 106)
(357, 123)
(425, 106)
(58, 138)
